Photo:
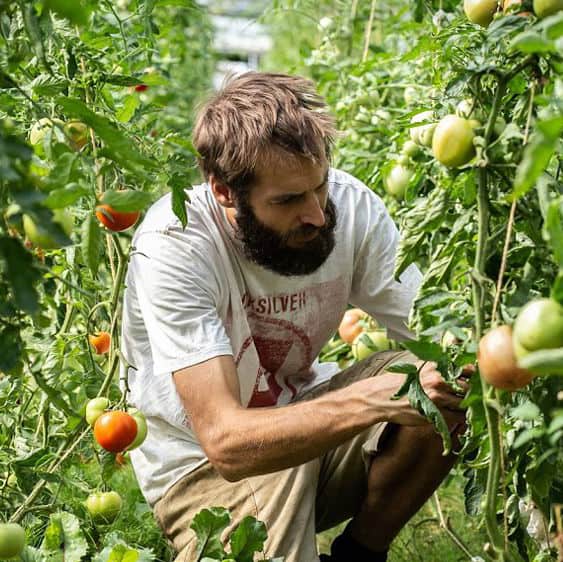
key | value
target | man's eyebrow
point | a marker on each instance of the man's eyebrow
(292, 194)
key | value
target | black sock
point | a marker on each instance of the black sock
(345, 549)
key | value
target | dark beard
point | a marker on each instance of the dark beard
(268, 248)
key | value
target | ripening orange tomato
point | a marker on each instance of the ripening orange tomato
(100, 342)
(497, 361)
(116, 220)
(350, 327)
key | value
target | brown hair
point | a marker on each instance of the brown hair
(254, 114)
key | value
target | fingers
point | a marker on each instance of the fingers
(441, 392)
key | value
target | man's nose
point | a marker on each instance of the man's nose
(313, 212)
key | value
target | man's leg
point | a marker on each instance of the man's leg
(283, 500)
(406, 468)
(402, 476)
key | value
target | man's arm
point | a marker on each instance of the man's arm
(242, 442)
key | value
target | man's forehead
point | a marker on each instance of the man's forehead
(290, 175)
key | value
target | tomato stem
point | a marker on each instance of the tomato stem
(494, 473)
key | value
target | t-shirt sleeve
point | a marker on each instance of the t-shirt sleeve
(178, 295)
(374, 288)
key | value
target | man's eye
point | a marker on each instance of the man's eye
(288, 201)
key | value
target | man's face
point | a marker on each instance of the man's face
(287, 221)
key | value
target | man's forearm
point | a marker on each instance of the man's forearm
(252, 441)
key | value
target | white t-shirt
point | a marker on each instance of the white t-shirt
(192, 295)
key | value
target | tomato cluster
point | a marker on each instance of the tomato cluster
(116, 430)
(539, 326)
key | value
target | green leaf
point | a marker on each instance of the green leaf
(405, 387)
(553, 228)
(527, 411)
(179, 199)
(21, 273)
(553, 26)
(427, 351)
(543, 362)
(64, 540)
(208, 525)
(130, 105)
(557, 288)
(535, 160)
(248, 538)
(75, 11)
(402, 368)
(12, 348)
(120, 80)
(119, 551)
(65, 196)
(127, 199)
(92, 242)
(417, 7)
(528, 435)
(532, 42)
(118, 146)
(419, 401)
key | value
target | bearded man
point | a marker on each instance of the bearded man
(223, 321)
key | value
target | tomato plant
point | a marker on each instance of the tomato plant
(96, 106)
(115, 430)
(481, 218)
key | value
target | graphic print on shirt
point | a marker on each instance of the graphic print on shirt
(287, 333)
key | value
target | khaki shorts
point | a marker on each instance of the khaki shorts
(295, 503)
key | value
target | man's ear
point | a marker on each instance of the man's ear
(222, 193)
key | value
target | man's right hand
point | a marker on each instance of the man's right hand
(437, 389)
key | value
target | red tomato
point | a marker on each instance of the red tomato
(115, 431)
(100, 342)
(116, 220)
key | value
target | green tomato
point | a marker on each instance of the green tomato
(104, 507)
(39, 236)
(466, 109)
(544, 8)
(139, 417)
(77, 134)
(40, 129)
(480, 12)
(367, 343)
(397, 180)
(539, 325)
(12, 540)
(410, 148)
(452, 144)
(95, 408)
(422, 135)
